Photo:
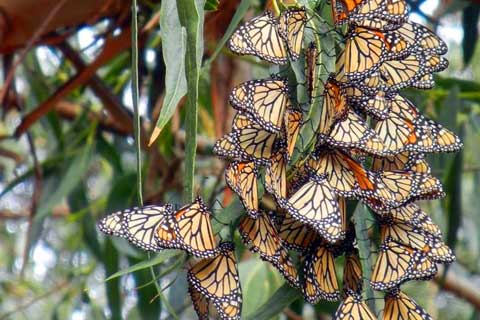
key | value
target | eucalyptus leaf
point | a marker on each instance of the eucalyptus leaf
(174, 40)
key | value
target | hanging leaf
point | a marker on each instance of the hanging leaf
(173, 47)
(470, 31)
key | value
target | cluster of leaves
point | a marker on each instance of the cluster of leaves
(87, 168)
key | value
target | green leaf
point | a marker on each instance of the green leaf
(453, 188)
(159, 258)
(211, 5)
(281, 299)
(191, 16)
(76, 172)
(470, 31)
(361, 215)
(77, 201)
(256, 283)
(111, 262)
(148, 306)
(174, 40)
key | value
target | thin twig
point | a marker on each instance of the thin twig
(459, 287)
(37, 191)
(31, 42)
(23, 306)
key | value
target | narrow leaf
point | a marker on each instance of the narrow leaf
(173, 47)
(361, 215)
(470, 31)
(159, 258)
(281, 299)
(191, 16)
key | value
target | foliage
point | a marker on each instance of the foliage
(77, 163)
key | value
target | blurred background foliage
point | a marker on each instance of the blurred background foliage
(67, 155)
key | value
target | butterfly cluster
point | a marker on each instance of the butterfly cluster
(370, 147)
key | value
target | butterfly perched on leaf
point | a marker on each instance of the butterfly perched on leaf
(189, 229)
(399, 306)
(269, 38)
(353, 308)
(412, 213)
(397, 263)
(262, 237)
(406, 233)
(248, 141)
(374, 14)
(217, 280)
(316, 204)
(262, 101)
(320, 279)
(295, 235)
(242, 179)
(137, 224)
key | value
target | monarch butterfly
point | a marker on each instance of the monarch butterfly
(263, 101)
(365, 51)
(263, 238)
(413, 214)
(353, 308)
(311, 57)
(399, 306)
(340, 170)
(320, 279)
(430, 136)
(353, 132)
(217, 279)
(276, 175)
(189, 229)
(368, 94)
(394, 188)
(426, 82)
(397, 263)
(242, 178)
(112, 224)
(375, 14)
(421, 39)
(264, 36)
(295, 235)
(334, 106)
(408, 234)
(405, 161)
(376, 105)
(293, 124)
(140, 224)
(248, 141)
(200, 303)
(316, 205)
(291, 28)
(260, 37)
(399, 74)
(352, 272)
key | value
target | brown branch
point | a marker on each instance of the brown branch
(60, 211)
(31, 42)
(70, 111)
(110, 101)
(291, 315)
(112, 47)
(10, 154)
(459, 287)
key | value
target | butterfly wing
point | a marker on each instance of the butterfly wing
(141, 223)
(291, 28)
(260, 37)
(242, 179)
